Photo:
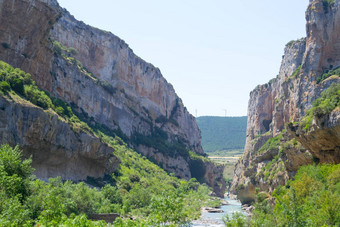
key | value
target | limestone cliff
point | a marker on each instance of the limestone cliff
(56, 149)
(104, 81)
(273, 155)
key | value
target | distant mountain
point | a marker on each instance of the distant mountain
(222, 133)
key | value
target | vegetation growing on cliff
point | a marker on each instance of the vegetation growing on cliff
(293, 42)
(333, 72)
(138, 187)
(311, 199)
(329, 100)
(272, 143)
(296, 72)
(327, 4)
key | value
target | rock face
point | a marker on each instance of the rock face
(55, 148)
(266, 163)
(323, 140)
(103, 80)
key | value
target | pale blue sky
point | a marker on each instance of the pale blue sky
(214, 52)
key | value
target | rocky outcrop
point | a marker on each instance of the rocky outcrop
(272, 156)
(322, 141)
(56, 149)
(103, 80)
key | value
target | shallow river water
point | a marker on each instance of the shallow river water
(215, 219)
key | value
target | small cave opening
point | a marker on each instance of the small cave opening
(266, 124)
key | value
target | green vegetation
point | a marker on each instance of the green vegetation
(68, 54)
(139, 187)
(222, 133)
(271, 144)
(142, 189)
(15, 82)
(329, 100)
(21, 83)
(334, 72)
(296, 72)
(272, 169)
(293, 42)
(327, 4)
(159, 140)
(25, 201)
(227, 153)
(311, 199)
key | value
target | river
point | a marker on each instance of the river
(215, 219)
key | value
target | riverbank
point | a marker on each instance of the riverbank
(216, 219)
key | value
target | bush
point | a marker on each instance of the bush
(37, 97)
(17, 85)
(4, 86)
(57, 48)
(237, 219)
(296, 72)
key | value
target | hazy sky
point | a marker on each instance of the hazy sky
(214, 52)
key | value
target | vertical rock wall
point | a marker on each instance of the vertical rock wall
(286, 99)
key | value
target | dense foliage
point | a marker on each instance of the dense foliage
(139, 187)
(143, 190)
(222, 133)
(311, 199)
(27, 201)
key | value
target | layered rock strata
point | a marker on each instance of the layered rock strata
(56, 149)
(272, 156)
(103, 80)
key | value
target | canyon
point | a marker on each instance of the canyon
(107, 85)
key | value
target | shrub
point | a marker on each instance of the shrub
(17, 85)
(57, 48)
(296, 72)
(237, 219)
(4, 86)
(37, 97)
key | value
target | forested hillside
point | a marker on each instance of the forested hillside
(222, 133)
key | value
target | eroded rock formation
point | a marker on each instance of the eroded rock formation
(104, 81)
(272, 155)
(56, 149)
